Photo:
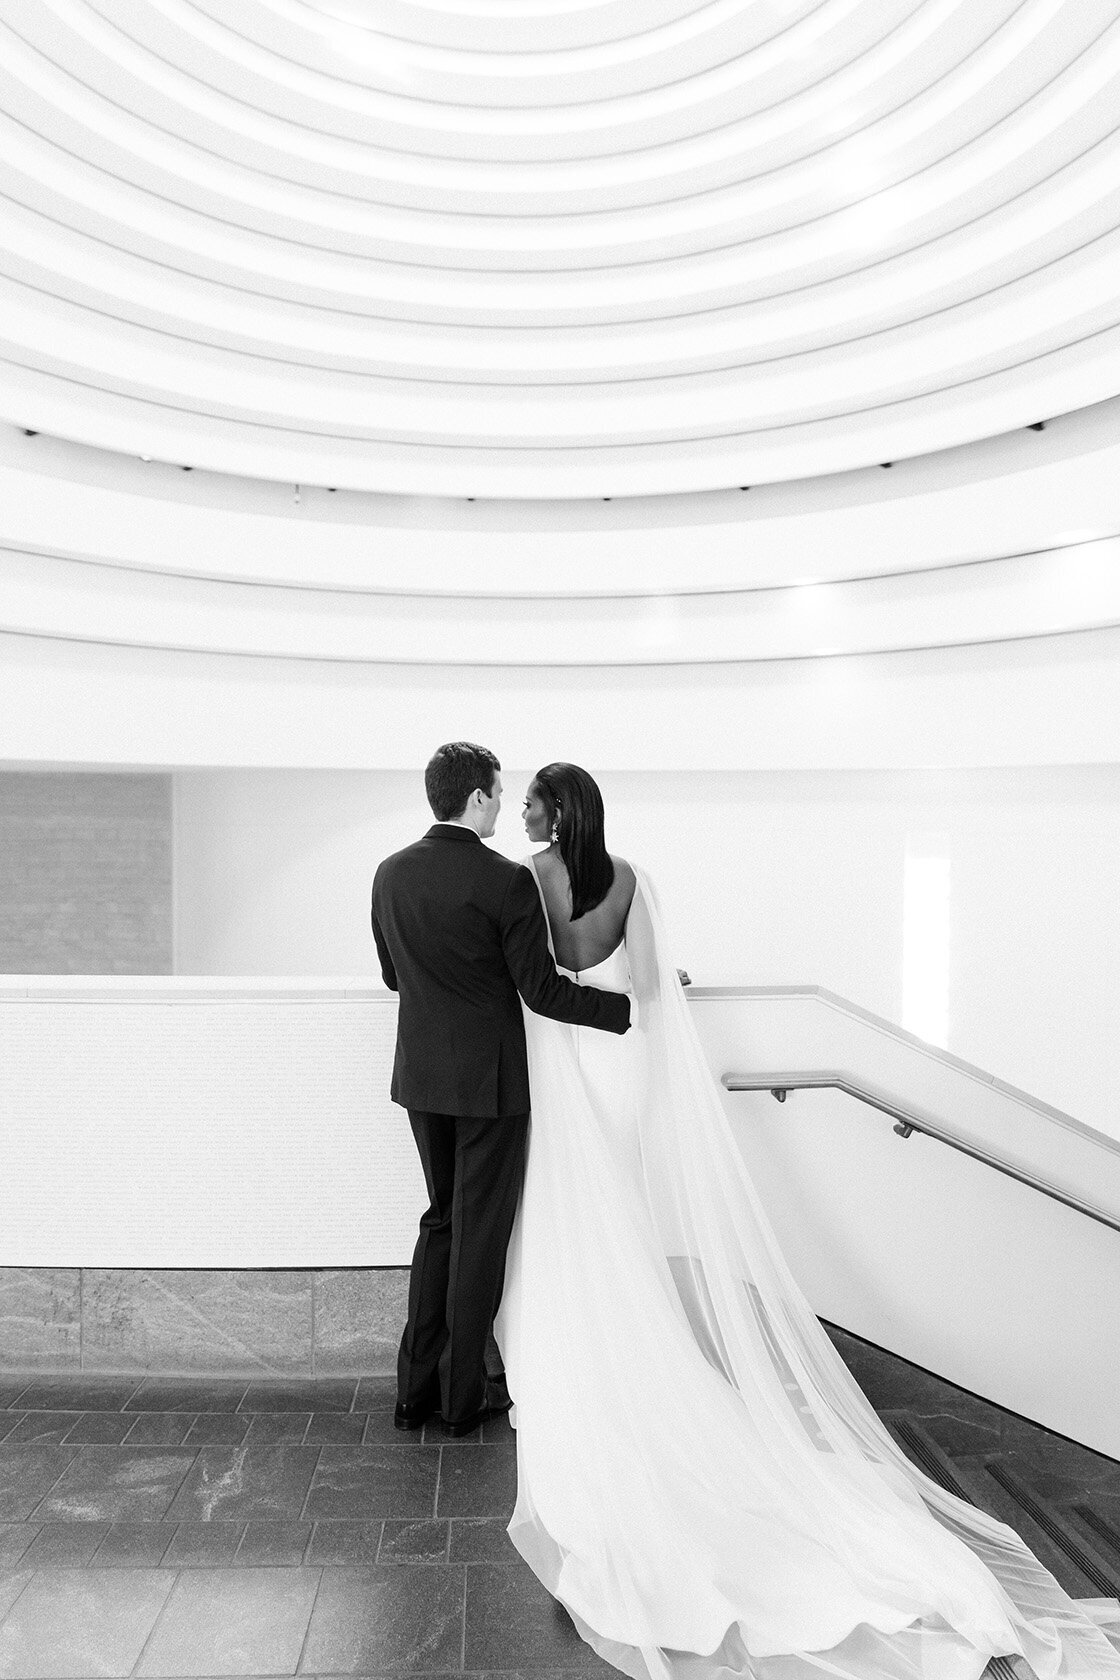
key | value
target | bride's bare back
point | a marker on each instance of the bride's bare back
(590, 940)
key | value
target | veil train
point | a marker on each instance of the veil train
(700, 1481)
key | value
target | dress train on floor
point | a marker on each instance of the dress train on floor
(700, 1481)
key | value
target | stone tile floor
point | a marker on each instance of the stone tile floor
(210, 1527)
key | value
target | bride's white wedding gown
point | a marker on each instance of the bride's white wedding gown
(699, 1480)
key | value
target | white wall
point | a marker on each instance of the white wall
(765, 876)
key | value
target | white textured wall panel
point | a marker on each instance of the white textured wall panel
(194, 1126)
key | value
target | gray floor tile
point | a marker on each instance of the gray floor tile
(232, 1621)
(134, 1545)
(203, 1545)
(26, 1474)
(188, 1394)
(217, 1428)
(1019, 1435)
(972, 1474)
(1105, 1504)
(1066, 1461)
(273, 1543)
(347, 1427)
(381, 1431)
(596, 1666)
(482, 1483)
(1100, 1528)
(117, 1484)
(159, 1429)
(1065, 1478)
(267, 1427)
(957, 1431)
(239, 1483)
(300, 1394)
(15, 1537)
(1052, 1557)
(425, 1674)
(481, 1540)
(338, 1542)
(372, 1621)
(64, 1545)
(513, 1622)
(12, 1583)
(383, 1673)
(423, 1541)
(499, 1431)
(376, 1394)
(528, 1673)
(10, 1421)
(891, 1383)
(81, 1622)
(374, 1481)
(78, 1394)
(100, 1428)
(44, 1427)
(376, 1513)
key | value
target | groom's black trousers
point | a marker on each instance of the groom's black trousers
(473, 1169)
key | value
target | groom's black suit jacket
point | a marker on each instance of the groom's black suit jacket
(460, 932)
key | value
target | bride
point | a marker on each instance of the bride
(699, 1480)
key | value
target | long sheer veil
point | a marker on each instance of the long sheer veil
(947, 1594)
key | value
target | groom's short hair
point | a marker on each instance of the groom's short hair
(453, 773)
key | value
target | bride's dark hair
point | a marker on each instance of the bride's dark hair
(573, 797)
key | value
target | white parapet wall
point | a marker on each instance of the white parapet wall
(215, 1123)
(231, 1124)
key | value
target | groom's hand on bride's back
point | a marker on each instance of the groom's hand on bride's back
(524, 936)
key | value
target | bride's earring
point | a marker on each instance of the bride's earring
(555, 835)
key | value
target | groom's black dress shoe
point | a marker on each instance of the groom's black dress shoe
(498, 1404)
(467, 1425)
(413, 1416)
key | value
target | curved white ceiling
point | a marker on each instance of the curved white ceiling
(1006, 540)
(537, 248)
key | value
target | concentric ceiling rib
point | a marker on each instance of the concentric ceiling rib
(537, 250)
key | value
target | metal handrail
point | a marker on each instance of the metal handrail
(906, 1122)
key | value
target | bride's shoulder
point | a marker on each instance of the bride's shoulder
(547, 864)
(625, 879)
(637, 879)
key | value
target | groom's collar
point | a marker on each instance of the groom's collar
(451, 831)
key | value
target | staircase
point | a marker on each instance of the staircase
(1062, 1498)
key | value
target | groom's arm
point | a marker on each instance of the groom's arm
(525, 944)
(388, 969)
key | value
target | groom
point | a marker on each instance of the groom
(460, 933)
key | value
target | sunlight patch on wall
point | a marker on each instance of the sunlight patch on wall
(925, 939)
